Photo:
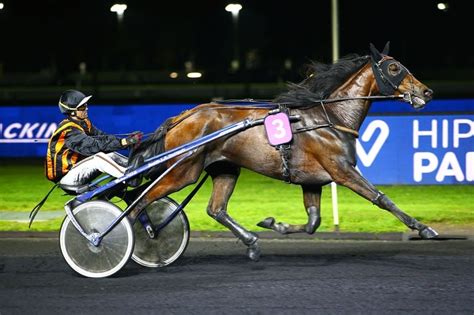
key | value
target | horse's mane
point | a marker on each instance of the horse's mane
(322, 79)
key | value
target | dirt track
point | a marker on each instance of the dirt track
(215, 277)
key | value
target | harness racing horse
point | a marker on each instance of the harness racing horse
(331, 103)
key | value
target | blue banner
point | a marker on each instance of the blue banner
(25, 130)
(434, 149)
(406, 147)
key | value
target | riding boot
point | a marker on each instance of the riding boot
(137, 180)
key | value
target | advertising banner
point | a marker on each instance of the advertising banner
(417, 149)
(429, 147)
(25, 130)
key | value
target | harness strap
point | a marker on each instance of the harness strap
(36, 209)
(285, 154)
(329, 124)
(338, 127)
(188, 113)
(348, 130)
(285, 151)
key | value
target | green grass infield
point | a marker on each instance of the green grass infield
(256, 197)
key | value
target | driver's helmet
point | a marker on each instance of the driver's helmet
(71, 100)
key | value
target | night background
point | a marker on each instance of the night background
(45, 42)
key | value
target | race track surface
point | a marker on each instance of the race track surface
(215, 277)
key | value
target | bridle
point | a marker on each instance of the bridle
(386, 85)
(381, 71)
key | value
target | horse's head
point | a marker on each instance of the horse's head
(394, 78)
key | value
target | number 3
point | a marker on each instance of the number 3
(280, 131)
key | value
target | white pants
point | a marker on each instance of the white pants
(83, 172)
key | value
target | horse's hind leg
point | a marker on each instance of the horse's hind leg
(223, 186)
(312, 203)
(356, 182)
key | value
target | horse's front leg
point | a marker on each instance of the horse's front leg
(352, 179)
(312, 203)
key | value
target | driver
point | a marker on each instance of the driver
(78, 151)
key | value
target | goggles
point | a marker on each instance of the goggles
(82, 108)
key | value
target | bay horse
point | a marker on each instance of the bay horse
(332, 103)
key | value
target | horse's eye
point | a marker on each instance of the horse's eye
(394, 68)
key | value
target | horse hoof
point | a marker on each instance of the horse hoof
(253, 252)
(428, 233)
(267, 223)
(311, 228)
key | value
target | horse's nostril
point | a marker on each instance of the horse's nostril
(428, 93)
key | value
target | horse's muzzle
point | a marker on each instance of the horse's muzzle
(428, 94)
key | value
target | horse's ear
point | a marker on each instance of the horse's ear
(386, 49)
(375, 53)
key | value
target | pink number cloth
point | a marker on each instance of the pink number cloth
(278, 129)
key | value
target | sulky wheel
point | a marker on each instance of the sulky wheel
(169, 243)
(114, 250)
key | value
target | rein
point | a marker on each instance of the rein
(373, 97)
(269, 104)
(330, 124)
(260, 104)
